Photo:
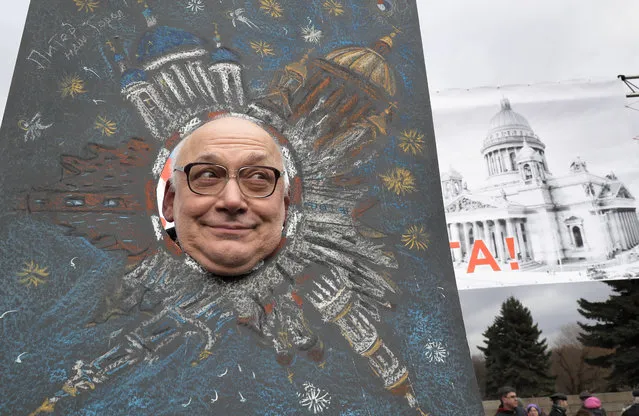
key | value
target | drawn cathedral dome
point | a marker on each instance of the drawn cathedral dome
(223, 54)
(163, 40)
(177, 76)
(368, 62)
(508, 127)
(131, 76)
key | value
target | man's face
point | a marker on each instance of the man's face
(509, 400)
(228, 233)
(563, 403)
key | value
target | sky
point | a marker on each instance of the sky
(490, 43)
(551, 306)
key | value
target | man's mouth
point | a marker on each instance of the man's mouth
(233, 227)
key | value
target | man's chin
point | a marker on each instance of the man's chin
(225, 268)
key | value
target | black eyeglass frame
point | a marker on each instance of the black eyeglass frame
(187, 169)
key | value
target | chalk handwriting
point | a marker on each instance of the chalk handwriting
(104, 22)
(70, 40)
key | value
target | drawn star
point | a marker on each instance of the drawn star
(87, 5)
(399, 181)
(71, 85)
(415, 237)
(271, 7)
(411, 141)
(32, 274)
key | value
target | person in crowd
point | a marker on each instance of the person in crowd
(534, 410)
(583, 396)
(591, 407)
(559, 405)
(507, 401)
(520, 410)
(634, 409)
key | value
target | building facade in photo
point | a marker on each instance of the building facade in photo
(578, 216)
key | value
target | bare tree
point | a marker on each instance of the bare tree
(479, 366)
(572, 373)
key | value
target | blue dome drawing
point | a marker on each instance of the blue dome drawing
(163, 40)
(224, 55)
(131, 76)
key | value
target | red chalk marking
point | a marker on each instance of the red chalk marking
(268, 308)
(454, 244)
(297, 298)
(510, 242)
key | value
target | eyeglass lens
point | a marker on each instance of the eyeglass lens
(254, 181)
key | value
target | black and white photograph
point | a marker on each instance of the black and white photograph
(539, 183)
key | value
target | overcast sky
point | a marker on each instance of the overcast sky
(469, 44)
(551, 306)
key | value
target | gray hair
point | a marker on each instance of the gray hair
(262, 124)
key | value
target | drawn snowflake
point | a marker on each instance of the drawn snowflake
(105, 126)
(311, 34)
(262, 48)
(399, 180)
(32, 274)
(271, 7)
(314, 398)
(333, 7)
(87, 5)
(435, 351)
(195, 5)
(71, 85)
(416, 237)
(411, 141)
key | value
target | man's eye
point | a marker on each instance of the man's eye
(204, 173)
(257, 175)
(210, 174)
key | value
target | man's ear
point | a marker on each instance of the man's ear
(287, 201)
(167, 201)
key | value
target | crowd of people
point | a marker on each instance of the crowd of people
(511, 405)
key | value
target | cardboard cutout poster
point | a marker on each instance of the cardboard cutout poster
(357, 313)
(539, 183)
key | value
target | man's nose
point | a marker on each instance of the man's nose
(231, 198)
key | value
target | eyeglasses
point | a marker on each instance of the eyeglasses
(210, 179)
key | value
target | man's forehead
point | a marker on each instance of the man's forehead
(232, 132)
(232, 126)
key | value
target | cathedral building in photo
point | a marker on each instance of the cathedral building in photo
(576, 217)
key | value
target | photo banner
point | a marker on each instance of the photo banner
(101, 312)
(539, 183)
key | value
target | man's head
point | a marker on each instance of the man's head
(584, 395)
(559, 399)
(225, 216)
(507, 397)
